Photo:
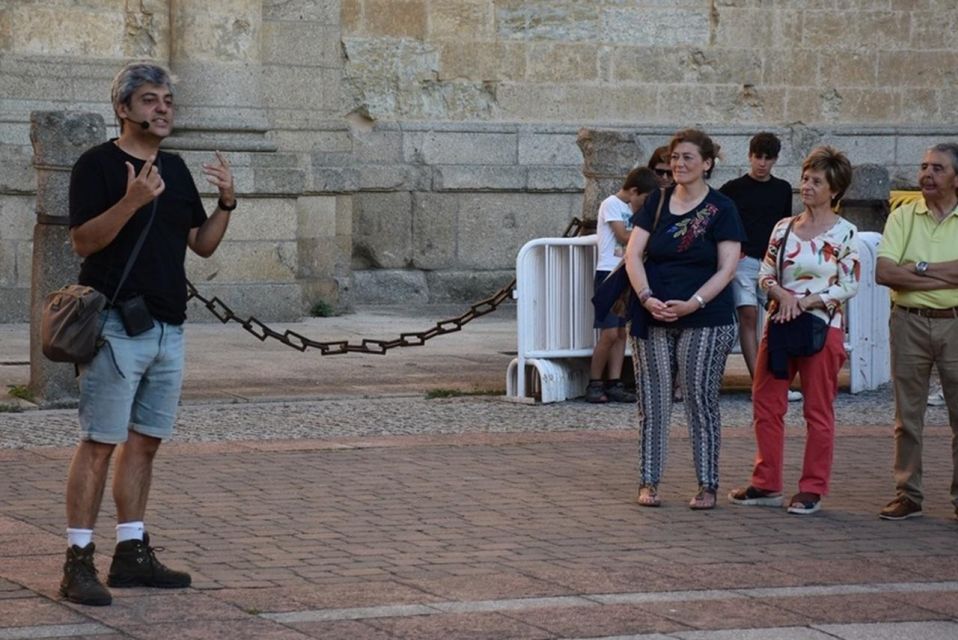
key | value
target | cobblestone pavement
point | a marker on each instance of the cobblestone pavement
(402, 517)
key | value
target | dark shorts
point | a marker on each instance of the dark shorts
(611, 321)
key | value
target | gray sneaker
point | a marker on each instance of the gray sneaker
(755, 497)
(618, 393)
(936, 398)
(595, 393)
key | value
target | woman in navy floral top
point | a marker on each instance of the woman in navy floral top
(687, 313)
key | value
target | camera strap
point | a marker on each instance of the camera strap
(137, 246)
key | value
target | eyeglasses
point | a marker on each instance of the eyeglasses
(663, 172)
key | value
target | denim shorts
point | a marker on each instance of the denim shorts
(611, 321)
(132, 383)
(745, 284)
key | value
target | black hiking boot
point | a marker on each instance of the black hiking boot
(80, 583)
(135, 565)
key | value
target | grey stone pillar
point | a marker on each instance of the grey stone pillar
(866, 202)
(58, 137)
(607, 157)
(216, 58)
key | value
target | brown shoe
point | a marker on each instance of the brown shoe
(135, 565)
(901, 508)
(80, 582)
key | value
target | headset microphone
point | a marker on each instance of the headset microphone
(143, 125)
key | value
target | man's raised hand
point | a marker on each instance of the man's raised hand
(142, 188)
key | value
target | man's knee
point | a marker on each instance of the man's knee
(142, 444)
(98, 452)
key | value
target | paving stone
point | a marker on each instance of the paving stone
(25, 612)
(465, 626)
(856, 608)
(252, 629)
(923, 630)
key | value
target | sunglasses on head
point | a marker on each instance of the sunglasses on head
(663, 172)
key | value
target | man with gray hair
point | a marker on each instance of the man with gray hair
(918, 260)
(128, 198)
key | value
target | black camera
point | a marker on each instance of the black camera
(135, 315)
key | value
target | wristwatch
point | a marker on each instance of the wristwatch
(921, 267)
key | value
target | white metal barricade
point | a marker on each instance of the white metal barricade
(554, 330)
(866, 323)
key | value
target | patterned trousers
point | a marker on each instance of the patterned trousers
(699, 356)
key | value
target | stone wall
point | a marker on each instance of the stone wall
(403, 150)
(653, 61)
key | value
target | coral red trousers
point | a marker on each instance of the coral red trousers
(819, 376)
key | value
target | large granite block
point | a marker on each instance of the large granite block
(546, 148)
(551, 179)
(320, 11)
(259, 219)
(435, 220)
(308, 43)
(382, 230)
(389, 286)
(466, 286)
(478, 178)
(17, 217)
(14, 304)
(461, 147)
(316, 217)
(267, 301)
(493, 227)
(246, 262)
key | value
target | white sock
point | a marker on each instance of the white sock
(129, 531)
(79, 537)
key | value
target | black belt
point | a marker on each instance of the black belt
(925, 312)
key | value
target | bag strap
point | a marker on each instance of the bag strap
(139, 244)
(658, 210)
(781, 251)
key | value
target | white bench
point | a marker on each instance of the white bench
(555, 337)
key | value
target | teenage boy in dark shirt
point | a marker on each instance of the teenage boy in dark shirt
(762, 200)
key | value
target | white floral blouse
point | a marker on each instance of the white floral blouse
(827, 264)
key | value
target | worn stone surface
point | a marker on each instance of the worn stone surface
(608, 156)
(274, 301)
(382, 230)
(869, 182)
(335, 97)
(386, 286)
(456, 286)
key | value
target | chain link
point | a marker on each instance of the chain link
(300, 342)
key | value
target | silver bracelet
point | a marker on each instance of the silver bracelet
(700, 300)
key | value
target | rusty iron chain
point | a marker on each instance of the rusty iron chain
(300, 342)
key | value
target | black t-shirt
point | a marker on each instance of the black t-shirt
(98, 181)
(682, 254)
(760, 205)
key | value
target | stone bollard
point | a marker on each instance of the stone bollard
(58, 137)
(866, 202)
(607, 157)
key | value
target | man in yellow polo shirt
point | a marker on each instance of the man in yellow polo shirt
(918, 260)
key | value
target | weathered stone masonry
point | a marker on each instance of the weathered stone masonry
(393, 150)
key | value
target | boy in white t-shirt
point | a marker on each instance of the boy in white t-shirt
(612, 230)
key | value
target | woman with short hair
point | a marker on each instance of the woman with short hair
(818, 271)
